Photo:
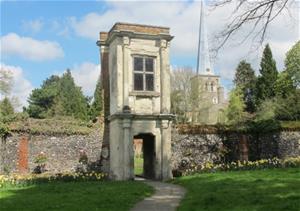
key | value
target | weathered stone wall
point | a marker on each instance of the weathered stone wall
(62, 151)
(189, 150)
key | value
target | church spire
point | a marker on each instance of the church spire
(203, 60)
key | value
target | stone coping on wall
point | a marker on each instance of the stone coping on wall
(55, 126)
(142, 116)
(216, 129)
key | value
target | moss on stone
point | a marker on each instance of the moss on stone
(62, 125)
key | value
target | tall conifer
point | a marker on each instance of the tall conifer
(97, 105)
(72, 98)
(266, 81)
(245, 80)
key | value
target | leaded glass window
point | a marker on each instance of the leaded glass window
(143, 70)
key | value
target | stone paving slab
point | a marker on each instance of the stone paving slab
(166, 197)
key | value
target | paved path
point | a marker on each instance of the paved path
(166, 197)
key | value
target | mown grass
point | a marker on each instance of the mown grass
(138, 166)
(74, 196)
(272, 189)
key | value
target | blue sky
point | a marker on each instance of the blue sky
(16, 18)
(41, 38)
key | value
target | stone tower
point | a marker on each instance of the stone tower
(209, 94)
(136, 80)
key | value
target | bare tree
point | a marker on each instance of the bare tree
(6, 82)
(181, 92)
(256, 13)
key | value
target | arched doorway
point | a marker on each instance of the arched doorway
(144, 161)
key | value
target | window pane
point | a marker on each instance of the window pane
(149, 64)
(138, 81)
(138, 63)
(149, 82)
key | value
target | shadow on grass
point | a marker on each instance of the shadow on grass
(265, 190)
(74, 196)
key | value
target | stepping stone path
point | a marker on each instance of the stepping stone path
(166, 197)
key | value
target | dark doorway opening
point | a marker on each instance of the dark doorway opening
(144, 161)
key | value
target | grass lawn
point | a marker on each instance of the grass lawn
(263, 190)
(74, 196)
(138, 165)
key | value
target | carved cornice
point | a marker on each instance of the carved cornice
(114, 34)
(169, 117)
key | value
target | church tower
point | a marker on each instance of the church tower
(209, 94)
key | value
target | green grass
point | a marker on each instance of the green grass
(261, 190)
(138, 166)
(74, 196)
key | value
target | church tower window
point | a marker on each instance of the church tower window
(212, 86)
(215, 100)
(206, 86)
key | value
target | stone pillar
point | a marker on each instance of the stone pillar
(104, 159)
(126, 89)
(164, 77)
(166, 149)
(128, 152)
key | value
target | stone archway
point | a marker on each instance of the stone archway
(148, 154)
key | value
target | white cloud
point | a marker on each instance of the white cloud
(86, 76)
(61, 28)
(33, 26)
(36, 50)
(21, 86)
(183, 20)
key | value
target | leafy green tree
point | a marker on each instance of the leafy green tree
(266, 110)
(235, 113)
(266, 81)
(288, 107)
(6, 107)
(97, 105)
(292, 64)
(284, 85)
(245, 79)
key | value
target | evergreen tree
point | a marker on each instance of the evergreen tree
(41, 101)
(71, 97)
(265, 86)
(97, 105)
(245, 80)
(6, 107)
(58, 96)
